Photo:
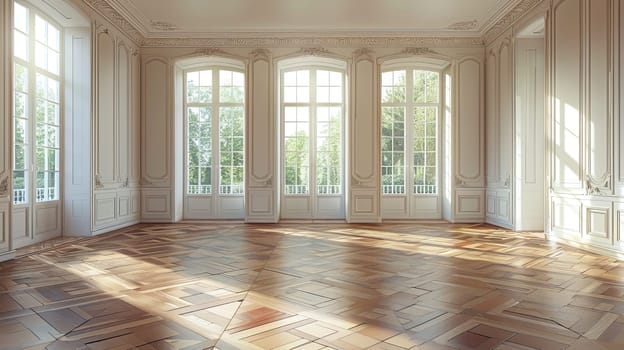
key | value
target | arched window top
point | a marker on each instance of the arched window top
(415, 62)
(312, 61)
(194, 63)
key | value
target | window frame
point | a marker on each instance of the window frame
(30, 146)
(313, 65)
(215, 138)
(409, 105)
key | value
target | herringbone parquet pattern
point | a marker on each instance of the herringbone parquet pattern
(316, 286)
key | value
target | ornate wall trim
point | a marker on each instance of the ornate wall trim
(325, 42)
(104, 9)
(509, 19)
(290, 40)
(4, 187)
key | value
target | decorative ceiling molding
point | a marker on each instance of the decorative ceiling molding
(466, 25)
(333, 42)
(103, 8)
(210, 51)
(160, 25)
(509, 19)
(313, 51)
(419, 51)
(293, 40)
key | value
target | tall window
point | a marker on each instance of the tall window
(313, 110)
(214, 105)
(36, 113)
(410, 114)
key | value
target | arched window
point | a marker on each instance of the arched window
(411, 98)
(214, 139)
(312, 110)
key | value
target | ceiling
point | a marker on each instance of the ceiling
(213, 18)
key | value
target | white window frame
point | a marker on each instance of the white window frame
(33, 194)
(315, 208)
(215, 205)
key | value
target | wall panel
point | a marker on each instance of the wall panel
(105, 147)
(124, 81)
(155, 124)
(363, 153)
(155, 205)
(491, 118)
(469, 125)
(597, 110)
(567, 146)
(135, 120)
(261, 140)
(505, 113)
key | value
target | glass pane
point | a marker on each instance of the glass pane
(21, 17)
(47, 186)
(229, 90)
(199, 154)
(231, 149)
(199, 87)
(393, 87)
(20, 45)
(21, 78)
(41, 55)
(19, 157)
(433, 87)
(41, 33)
(20, 105)
(53, 62)
(20, 179)
(420, 83)
(296, 159)
(329, 150)
(393, 147)
(53, 38)
(20, 131)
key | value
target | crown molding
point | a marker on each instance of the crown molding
(326, 42)
(139, 33)
(509, 19)
(104, 9)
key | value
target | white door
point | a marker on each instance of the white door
(312, 119)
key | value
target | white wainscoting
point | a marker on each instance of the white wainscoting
(155, 205)
(469, 205)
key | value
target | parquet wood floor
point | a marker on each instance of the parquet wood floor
(312, 286)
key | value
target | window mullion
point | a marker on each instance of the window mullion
(216, 149)
(312, 120)
(409, 132)
(32, 105)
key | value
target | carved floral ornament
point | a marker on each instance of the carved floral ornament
(4, 187)
(210, 51)
(596, 185)
(419, 51)
(313, 51)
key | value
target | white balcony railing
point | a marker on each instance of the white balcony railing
(393, 189)
(296, 189)
(199, 189)
(20, 195)
(329, 189)
(425, 189)
(231, 189)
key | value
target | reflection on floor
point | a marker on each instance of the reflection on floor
(316, 286)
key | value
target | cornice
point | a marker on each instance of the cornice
(108, 9)
(509, 19)
(103, 8)
(325, 42)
